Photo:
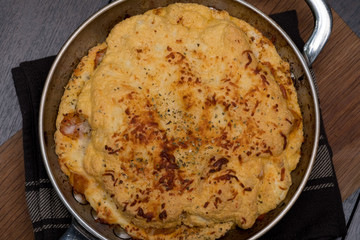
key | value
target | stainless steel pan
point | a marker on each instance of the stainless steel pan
(96, 29)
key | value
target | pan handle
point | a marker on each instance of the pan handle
(323, 25)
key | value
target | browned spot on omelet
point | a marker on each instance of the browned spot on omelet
(79, 182)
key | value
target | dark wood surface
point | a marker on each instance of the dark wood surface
(15, 220)
(337, 71)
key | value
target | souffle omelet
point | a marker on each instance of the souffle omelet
(183, 124)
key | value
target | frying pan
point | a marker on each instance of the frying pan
(96, 29)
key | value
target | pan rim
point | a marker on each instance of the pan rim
(251, 7)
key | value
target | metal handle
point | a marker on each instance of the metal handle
(76, 232)
(323, 25)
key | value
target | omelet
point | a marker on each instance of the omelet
(183, 124)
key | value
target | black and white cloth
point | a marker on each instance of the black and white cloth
(317, 214)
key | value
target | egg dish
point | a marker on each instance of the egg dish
(183, 124)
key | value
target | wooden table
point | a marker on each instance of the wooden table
(337, 71)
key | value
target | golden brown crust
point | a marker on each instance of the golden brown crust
(186, 119)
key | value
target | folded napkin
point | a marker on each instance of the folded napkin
(317, 214)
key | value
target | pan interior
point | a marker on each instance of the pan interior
(96, 29)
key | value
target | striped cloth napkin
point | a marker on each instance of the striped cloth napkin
(317, 214)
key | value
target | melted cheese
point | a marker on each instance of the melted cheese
(195, 125)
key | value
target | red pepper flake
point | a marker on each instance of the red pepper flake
(226, 105)
(206, 204)
(288, 121)
(236, 147)
(226, 177)
(211, 100)
(167, 161)
(148, 215)
(111, 150)
(218, 164)
(169, 48)
(282, 176)
(133, 203)
(248, 56)
(168, 180)
(109, 174)
(234, 196)
(163, 206)
(268, 151)
(140, 212)
(263, 78)
(163, 215)
(125, 206)
(187, 184)
(275, 107)
(217, 201)
(283, 91)
(233, 85)
(179, 20)
(256, 105)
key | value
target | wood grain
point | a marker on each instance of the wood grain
(15, 220)
(337, 72)
(340, 101)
